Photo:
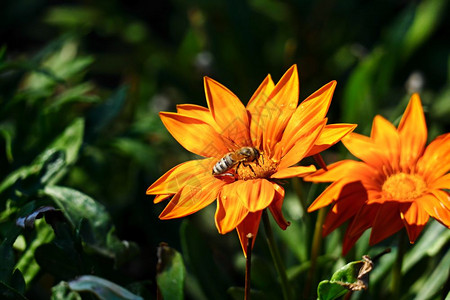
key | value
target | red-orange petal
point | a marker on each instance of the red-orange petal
(275, 207)
(255, 106)
(249, 225)
(330, 135)
(230, 210)
(228, 112)
(194, 135)
(413, 132)
(299, 171)
(279, 108)
(386, 223)
(415, 218)
(177, 177)
(363, 219)
(350, 241)
(256, 194)
(192, 198)
(308, 115)
(351, 198)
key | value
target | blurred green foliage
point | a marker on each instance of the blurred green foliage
(81, 85)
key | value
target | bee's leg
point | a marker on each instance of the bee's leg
(251, 168)
(238, 165)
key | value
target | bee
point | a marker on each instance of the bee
(242, 155)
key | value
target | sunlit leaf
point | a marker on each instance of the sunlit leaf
(170, 273)
(27, 263)
(62, 291)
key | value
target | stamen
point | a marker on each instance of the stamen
(402, 186)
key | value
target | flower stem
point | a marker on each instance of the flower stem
(248, 266)
(316, 245)
(397, 269)
(276, 256)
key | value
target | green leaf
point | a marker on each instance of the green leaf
(52, 162)
(334, 288)
(170, 273)
(328, 290)
(27, 263)
(93, 221)
(7, 130)
(7, 292)
(62, 291)
(102, 288)
(436, 280)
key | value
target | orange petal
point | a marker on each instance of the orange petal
(256, 194)
(249, 225)
(442, 182)
(330, 135)
(302, 146)
(255, 106)
(435, 208)
(365, 149)
(351, 198)
(194, 135)
(275, 207)
(228, 112)
(160, 198)
(328, 196)
(177, 177)
(415, 218)
(338, 170)
(230, 210)
(413, 132)
(386, 223)
(308, 115)
(442, 196)
(385, 135)
(279, 108)
(299, 171)
(198, 112)
(435, 161)
(192, 198)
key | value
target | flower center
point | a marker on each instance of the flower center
(404, 186)
(262, 167)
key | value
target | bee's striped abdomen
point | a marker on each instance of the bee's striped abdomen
(223, 165)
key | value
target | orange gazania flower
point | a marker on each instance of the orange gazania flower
(399, 182)
(271, 126)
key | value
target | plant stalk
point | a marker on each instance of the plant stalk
(248, 266)
(397, 269)
(276, 256)
(315, 249)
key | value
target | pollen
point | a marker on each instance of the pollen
(262, 167)
(402, 186)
